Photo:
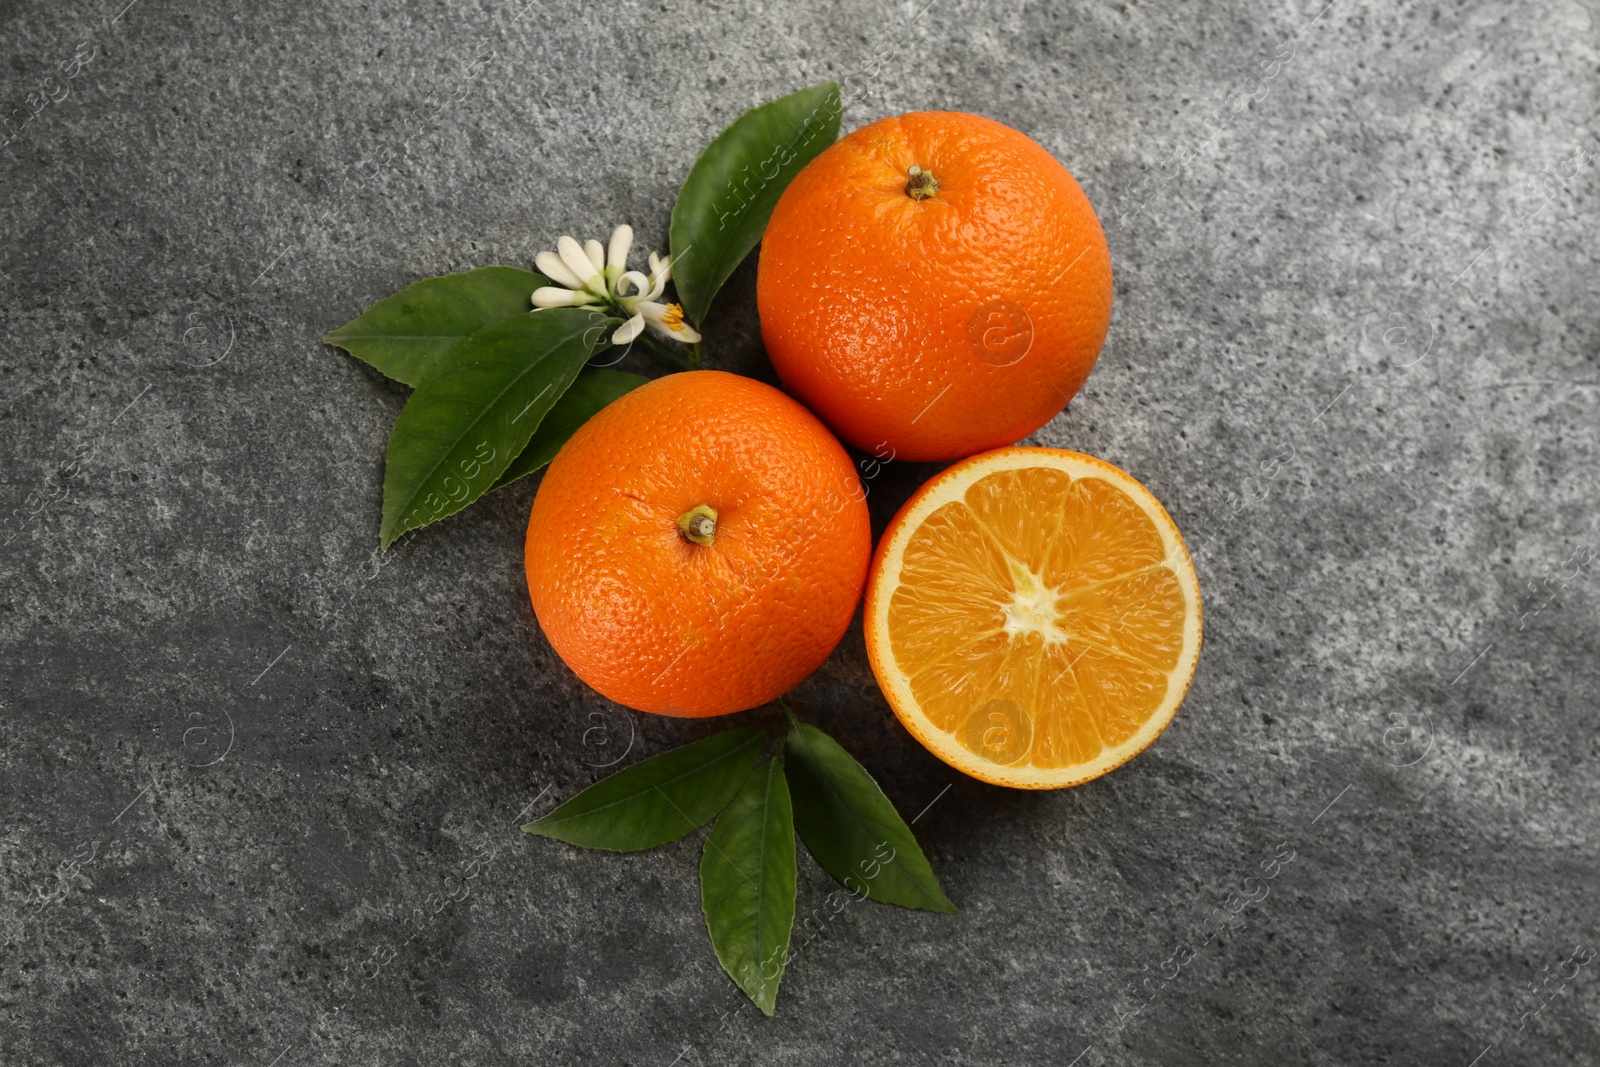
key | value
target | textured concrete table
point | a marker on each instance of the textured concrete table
(261, 795)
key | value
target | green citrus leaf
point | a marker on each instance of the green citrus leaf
(595, 388)
(747, 884)
(730, 192)
(476, 410)
(851, 827)
(659, 799)
(405, 334)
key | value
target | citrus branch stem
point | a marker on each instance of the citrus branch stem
(687, 362)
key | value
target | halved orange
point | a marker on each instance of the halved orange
(1033, 617)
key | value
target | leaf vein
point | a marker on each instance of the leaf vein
(630, 797)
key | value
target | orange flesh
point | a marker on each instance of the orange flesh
(1038, 619)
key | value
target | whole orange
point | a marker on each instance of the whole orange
(934, 285)
(699, 546)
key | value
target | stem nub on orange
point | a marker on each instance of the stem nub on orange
(934, 285)
(1033, 617)
(698, 547)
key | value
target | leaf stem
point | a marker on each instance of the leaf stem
(691, 362)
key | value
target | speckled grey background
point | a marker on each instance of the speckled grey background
(261, 795)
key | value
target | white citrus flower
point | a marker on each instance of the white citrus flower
(589, 274)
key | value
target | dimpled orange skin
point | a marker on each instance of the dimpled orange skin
(932, 329)
(662, 625)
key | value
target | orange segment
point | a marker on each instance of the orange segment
(958, 582)
(1033, 617)
(1103, 534)
(1139, 614)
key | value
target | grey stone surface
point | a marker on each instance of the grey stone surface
(245, 771)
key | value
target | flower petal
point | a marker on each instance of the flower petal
(668, 320)
(628, 330)
(660, 274)
(684, 333)
(577, 260)
(548, 296)
(621, 245)
(596, 254)
(551, 266)
(638, 282)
